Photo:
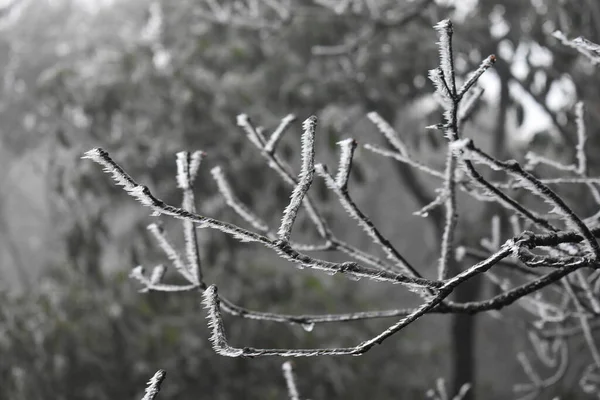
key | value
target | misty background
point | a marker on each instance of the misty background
(147, 79)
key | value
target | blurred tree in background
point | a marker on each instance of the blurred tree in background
(148, 79)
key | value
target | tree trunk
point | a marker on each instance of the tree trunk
(464, 328)
(463, 340)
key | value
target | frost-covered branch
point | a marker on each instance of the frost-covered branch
(290, 380)
(553, 285)
(304, 180)
(154, 383)
(589, 49)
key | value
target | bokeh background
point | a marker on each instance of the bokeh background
(145, 79)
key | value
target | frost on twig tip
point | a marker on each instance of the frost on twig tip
(157, 274)
(183, 172)
(195, 161)
(589, 49)
(243, 121)
(462, 392)
(170, 252)
(187, 168)
(120, 177)
(388, 132)
(290, 380)
(215, 323)
(232, 201)
(440, 384)
(345, 164)
(484, 66)
(138, 274)
(154, 385)
(305, 178)
(276, 136)
(444, 29)
(426, 209)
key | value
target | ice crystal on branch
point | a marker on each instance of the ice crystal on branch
(345, 164)
(305, 178)
(388, 132)
(589, 49)
(485, 65)
(154, 385)
(290, 380)
(445, 31)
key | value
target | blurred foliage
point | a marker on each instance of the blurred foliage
(75, 339)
